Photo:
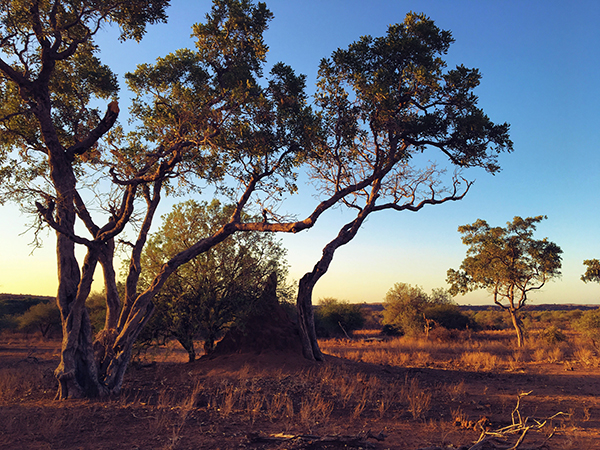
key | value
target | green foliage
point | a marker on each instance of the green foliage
(448, 316)
(589, 325)
(592, 272)
(407, 309)
(492, 319)
(403, 308)
(552, 335)
(397, 87)
(506, 261)
(96, 304)
(205, 296)
(48, 49)
(43, 317)
(337, 317)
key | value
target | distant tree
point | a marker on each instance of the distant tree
(43, 317)
(337, 317)
(592, 272)
(508, 262)
(411, 311)
(589, 325)
(205, 296)
(403, 308)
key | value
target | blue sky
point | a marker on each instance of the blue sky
(540, 63)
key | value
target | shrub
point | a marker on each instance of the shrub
(335, 318)
(448, 316)
(589, 325)
(552, 335)
(43, 317)
(407, 309)
(96, 303)
(403, 308)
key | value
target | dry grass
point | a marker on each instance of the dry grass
(412, 392)
(486, 352)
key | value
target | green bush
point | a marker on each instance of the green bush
(43, 317)
(589, 325)
(96, 304)
(408, 309)
(336, 318)
(552, 335)
(448, 316)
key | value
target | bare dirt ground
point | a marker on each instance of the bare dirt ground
(280, 401)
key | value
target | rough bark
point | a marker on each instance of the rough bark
(306, 319)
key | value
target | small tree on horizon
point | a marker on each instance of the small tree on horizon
(592, 272)
(508, 262)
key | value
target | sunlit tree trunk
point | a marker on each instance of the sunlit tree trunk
(517, 324)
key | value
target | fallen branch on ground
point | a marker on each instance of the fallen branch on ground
(358, 440)
(497, 439)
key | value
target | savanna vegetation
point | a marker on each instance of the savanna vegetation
(426, 372)
(437, 386)
(211, 117)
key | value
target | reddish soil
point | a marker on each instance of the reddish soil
(152, 412)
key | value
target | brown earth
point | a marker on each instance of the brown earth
(230, 402)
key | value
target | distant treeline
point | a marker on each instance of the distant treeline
(13, 304)
(378, 307)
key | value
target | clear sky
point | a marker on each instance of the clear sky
(540, 62)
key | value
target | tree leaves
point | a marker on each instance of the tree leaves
(508, 261)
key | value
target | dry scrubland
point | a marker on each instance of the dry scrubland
(448, 391)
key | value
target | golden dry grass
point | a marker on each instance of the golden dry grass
(439, 390)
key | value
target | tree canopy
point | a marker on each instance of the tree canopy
(210, 116)
(592, 272)
(508, 262)
(204, 297)
(382, 101)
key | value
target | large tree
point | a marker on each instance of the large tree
(205, 296)
(203, 116)
(49, 78)
(200, 116)
(384, 101)
(508, 262)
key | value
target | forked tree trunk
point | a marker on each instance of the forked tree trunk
(77, 372)
(517, 324)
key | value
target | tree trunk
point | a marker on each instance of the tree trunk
(120, 348)
(187, 343)
(306, 318)
(77, 372)
(209, 345)
(518, 327)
